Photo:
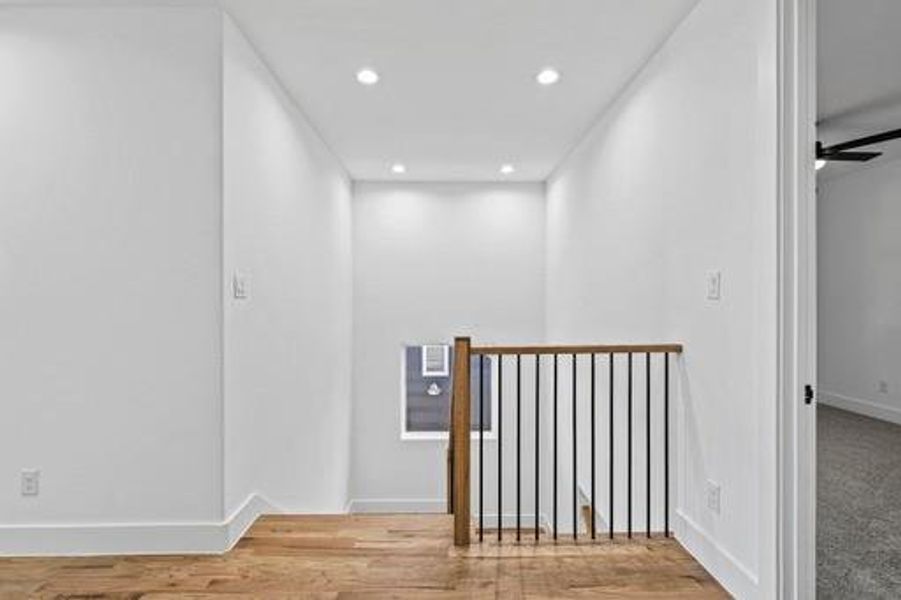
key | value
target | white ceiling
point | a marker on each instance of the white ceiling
(859, 74)
(457, 96)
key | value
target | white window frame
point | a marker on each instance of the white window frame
(445, 348)
(433, 436)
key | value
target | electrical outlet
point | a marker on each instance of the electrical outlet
(883, 387)
(31, 482)
(713, 496)
(714, 285)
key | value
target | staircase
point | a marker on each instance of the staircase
(598, 442)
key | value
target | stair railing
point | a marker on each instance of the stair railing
(460, 433)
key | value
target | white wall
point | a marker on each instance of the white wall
(114, 264)
(433, 261)
(859, 293)
(678, 177)
(152, 412)
(110, 265)
(287, 346)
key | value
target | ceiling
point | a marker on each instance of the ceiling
(859, 74)
(457, 96)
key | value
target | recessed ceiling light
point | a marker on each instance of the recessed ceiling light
(367, 77)
(398, 168)
(548, 77)
(507, 169)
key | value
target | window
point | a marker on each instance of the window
(436, 361)
(426, 388)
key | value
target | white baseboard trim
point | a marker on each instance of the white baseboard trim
(371, 505)
(738, 580)
(132, 538)
(240, 521)
(600, 522)
(866, 408)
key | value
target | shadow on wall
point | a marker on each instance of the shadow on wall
(689, 429)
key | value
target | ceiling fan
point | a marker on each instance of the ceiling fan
(845, 151)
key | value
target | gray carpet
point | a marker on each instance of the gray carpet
(858, 506)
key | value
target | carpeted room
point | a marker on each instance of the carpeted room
(859, 295)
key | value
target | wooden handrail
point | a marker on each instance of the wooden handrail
(458, 455)
(460, 441)
(577, 349)
(450, 468)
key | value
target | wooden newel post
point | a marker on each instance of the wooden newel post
(460, 441)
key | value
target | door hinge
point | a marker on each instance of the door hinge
(809, 394)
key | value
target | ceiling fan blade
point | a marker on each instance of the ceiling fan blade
(850, 156)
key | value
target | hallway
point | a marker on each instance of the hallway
(241, 241)
(374, 556)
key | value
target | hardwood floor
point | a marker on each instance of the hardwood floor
(386, 556)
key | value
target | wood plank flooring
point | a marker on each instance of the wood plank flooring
(368, 556)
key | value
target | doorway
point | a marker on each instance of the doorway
(858, 296)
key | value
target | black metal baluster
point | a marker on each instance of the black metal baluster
(500, 446)
(555, 446)
(666, 444)
(575, 478)
(610, 425)
(518, 446)
(481, 436)
(629, 454)
(537, 437)
(593, 520)
(647, 379)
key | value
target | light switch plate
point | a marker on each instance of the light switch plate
(31, 482)
(241, 285)
(714, 285)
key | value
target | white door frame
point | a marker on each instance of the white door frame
(797, 300)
